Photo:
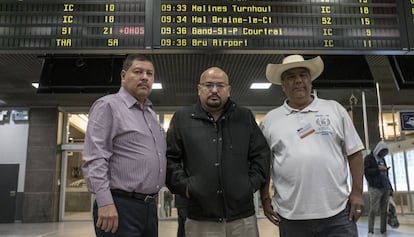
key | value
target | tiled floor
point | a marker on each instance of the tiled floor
(167, 229)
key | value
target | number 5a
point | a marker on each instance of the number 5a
(113, 42)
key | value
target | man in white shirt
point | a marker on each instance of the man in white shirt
(313, 143)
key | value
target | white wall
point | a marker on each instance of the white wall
(13, 146)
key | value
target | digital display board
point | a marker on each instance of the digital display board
(409, 14)
(287, 24)
(385, 26)
(73, 24)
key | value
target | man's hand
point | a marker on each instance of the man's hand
(268, 211)
(108, 218)
(382, 168)
(357, 205)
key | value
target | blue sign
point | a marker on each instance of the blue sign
(407, 121)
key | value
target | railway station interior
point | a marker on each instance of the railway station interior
(42, 133)
(46, 93)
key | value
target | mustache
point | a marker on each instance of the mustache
(143, 84)
(214, 95)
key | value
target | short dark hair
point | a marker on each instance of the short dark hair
(132, 57)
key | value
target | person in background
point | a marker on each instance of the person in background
(217, 158)
(313, 142)
(168, 197)
(124, 155)
(379, 186)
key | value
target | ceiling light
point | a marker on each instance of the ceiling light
(35, 84)
(2, 102)
(256, 86)
(157, 86)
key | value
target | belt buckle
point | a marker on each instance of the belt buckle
(149, 198)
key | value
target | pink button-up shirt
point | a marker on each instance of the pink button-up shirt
(124, 148)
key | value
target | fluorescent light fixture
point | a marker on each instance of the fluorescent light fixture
(156, 86)
(256, 86)
(35, 84)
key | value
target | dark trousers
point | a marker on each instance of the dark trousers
(136, 218)
(335, 226)
(182, 216)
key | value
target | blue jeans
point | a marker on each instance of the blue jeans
(335, 226)
(136, 218)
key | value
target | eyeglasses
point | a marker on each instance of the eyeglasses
(211, 85)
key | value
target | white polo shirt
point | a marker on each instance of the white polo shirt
(310, 165)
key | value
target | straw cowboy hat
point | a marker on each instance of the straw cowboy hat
(274, 71)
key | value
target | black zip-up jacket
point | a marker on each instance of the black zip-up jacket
(372, 173)
(220, 164)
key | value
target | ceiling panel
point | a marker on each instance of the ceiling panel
(179, 74)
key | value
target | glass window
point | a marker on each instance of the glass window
(76, 128)
(391, 128)
(388, 160)
(400, 174)
(410, 168)
(78, 200)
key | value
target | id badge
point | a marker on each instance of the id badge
(305, 131)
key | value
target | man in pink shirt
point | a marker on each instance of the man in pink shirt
(124, 155)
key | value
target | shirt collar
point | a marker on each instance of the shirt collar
(130, 101)
(312, 107)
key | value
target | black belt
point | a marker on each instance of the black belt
(149, 198)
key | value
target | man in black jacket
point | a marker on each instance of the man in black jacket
(379, 187)
(217, 158)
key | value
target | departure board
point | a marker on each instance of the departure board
(73, 24)
(355, 26)
(283, 25)
(409, 13)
